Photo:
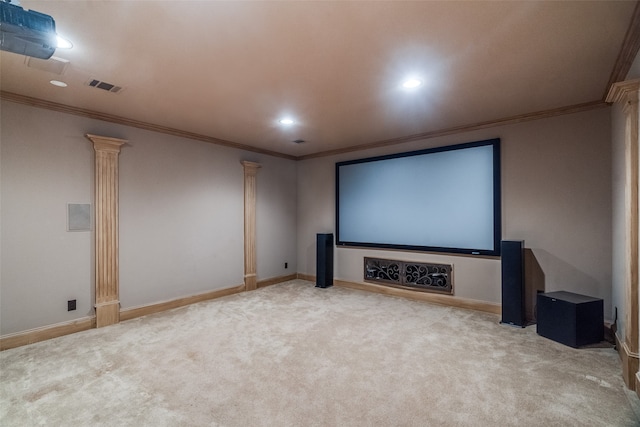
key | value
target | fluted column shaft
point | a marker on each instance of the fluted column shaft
(107, 302)
(628, 93)
(250, 172)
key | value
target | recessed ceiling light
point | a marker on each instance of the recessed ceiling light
(411, 83)
(58, 83)
(286, 121)
(63, 43)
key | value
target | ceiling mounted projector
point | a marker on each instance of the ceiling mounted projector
(26, 32)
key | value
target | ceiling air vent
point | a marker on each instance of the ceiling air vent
(104, 86)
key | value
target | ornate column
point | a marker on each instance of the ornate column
(628, 92)
(106, 234)
(250, 172)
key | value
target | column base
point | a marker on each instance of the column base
(107, 313)
(630, 364)
(250, 282)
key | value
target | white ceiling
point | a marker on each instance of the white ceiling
(230, 70)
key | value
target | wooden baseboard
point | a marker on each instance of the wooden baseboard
(448, 300)
(630, 365)
(308, 277)
(276, 280)
(609, 334)
(46, 332)
(53, 331)
(133, 312)
(415, 295)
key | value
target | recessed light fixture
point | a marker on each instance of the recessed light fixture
(58, 83)
(411, 83)
(63, 43)
(286, 121)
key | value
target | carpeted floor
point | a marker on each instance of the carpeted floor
(295, 355)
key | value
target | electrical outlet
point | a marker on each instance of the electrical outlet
(286, 265)
(71, 305)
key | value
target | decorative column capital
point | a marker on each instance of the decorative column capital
(250, 167)
(626, 91)
(104, 143)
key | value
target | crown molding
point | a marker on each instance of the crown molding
(82, 112)
(54, 106)
(544, 114)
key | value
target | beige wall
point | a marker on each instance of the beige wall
(42, 264)
(276, 221)
(181, 216)
(634, 71)
(181, 213)
(556, 192)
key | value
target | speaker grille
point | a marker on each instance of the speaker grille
(513, 307)
(78, 217)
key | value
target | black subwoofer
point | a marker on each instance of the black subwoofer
(513, 307)
(324, 260)
(571, 319)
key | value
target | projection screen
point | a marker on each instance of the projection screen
(444, 199)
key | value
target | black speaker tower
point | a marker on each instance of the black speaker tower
(324, 260)
(513, 307)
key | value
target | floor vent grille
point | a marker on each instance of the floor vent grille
(408, 274)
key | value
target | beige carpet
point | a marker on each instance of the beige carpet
(295, 355)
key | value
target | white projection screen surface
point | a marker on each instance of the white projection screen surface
(445, 199)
